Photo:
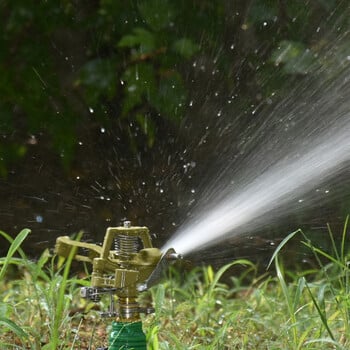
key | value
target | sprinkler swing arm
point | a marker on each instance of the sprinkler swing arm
(121, 269)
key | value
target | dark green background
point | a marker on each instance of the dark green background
(104, 104)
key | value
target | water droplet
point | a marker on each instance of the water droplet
(39, 219)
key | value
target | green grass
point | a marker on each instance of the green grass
(41, 307)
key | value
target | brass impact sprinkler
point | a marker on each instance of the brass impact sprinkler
(125, 265)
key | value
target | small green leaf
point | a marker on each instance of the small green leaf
(286, 51)
(170, 98)
(148, 127)
(185, 47)
(98, 77)
(157, 13)
(261, 11)
(141, 38)
(140, 85)
(295, 57)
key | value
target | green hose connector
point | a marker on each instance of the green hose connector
(127, 336)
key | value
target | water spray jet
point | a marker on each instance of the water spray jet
(315, 156)
(124, 266)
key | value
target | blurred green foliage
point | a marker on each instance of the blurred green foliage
(128, 62)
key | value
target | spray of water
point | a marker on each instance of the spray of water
(304, 142)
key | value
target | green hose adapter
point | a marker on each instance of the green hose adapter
(127, 336)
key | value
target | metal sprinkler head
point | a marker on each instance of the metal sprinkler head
(125, 265)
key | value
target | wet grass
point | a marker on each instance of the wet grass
(41, 307)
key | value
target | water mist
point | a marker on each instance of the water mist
(303, 142)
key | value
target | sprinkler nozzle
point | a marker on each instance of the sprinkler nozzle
(174, 256)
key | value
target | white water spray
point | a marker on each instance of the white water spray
(318, 150)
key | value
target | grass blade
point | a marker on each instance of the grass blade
(286, 294)
(223, 269)
(61, 298)
(343, 240)
(334, 247)
(322, 315)
(316, 251)
(15, 245)
(281, 245)
(13, 327)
